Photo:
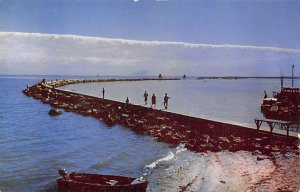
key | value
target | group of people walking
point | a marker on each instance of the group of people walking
(153, 100)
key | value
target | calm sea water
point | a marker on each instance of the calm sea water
(34, 145)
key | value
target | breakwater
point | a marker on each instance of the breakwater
(197, 134)
(59, 83)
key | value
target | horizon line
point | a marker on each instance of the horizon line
(198, 76)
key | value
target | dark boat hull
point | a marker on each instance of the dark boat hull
(286, 106)
(84, 182)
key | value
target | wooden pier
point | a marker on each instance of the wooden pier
(271, 122)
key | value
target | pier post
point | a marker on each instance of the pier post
(281, 82)
(258, 124)
(271, 125)
(287, 127)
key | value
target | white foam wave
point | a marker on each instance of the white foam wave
(180, 148)
(171, 155)
(168, 157)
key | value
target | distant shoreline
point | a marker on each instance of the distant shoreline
(247, 77)
(155, 76)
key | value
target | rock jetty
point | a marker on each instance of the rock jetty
(199, 135)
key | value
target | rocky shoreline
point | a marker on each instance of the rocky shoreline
(199, 135)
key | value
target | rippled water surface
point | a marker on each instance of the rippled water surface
(34, 145)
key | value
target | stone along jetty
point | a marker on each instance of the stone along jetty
(199, 135)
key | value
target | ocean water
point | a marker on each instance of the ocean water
(34, 145)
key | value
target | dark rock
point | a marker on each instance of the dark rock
(260, 158)
(54, 112)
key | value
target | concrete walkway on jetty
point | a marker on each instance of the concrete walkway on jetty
(262, 128)
(198, 134)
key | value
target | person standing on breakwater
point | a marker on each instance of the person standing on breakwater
(126, 102)
(166, 99)
(146, 97)
(103, 92)
(153, 100)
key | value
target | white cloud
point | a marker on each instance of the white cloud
(33, 53)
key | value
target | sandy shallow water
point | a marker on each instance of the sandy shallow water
(226, 171)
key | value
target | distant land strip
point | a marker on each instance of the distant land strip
(247, 77)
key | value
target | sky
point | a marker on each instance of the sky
(148, 37)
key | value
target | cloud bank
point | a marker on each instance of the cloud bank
(33, 53)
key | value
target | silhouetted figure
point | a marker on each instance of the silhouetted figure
(103, 92)
(166, 99)
(153, 99)
(265, 94)
(145, 97)
(184, 77)
(159, 76)
(126, 105)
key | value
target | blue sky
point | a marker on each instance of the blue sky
(243, 23)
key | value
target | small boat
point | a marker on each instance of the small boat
(88, 182)
(285, 105)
